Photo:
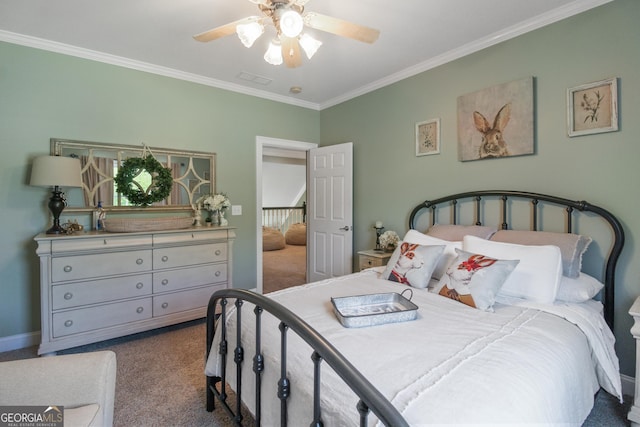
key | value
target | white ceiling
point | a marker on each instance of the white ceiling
(156, 36)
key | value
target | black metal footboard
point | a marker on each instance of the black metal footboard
(370, 399)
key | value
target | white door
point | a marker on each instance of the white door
(330, 211)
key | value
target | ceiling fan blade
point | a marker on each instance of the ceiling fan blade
(300, 2)
(341, 27)
(291, 52)
(223, 30)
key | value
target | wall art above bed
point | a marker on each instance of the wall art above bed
(496, 121)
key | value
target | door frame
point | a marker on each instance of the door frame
(261, 143)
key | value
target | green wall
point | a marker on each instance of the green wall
(389, 179)
(44, 95)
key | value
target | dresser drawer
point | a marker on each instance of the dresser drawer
(189, 236)
(189, 255)
(369, 261)
(99, 317)
(102, 290)
(182, 301)
(172, 280)
(99, 243)
(97, 265)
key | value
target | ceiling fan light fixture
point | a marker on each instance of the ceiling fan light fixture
(309, 45)
(273, 55)
(249, 33)
(291, 23)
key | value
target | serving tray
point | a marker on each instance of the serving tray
(374, 309)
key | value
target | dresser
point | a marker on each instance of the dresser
(98, 285)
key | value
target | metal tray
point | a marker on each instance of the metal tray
(374, 309)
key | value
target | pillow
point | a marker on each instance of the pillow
(412, 264)
(537, 276)
(572, 246)
(578, 290)
(475, 279)
(448, 255)
(455, 233)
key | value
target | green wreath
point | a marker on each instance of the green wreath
(161, 180)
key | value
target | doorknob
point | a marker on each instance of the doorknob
(345, 228)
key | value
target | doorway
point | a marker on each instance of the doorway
(272, 146)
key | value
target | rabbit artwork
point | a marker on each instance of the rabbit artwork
(409, 260)
(459, 277)
(493, 143)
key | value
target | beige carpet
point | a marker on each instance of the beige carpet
(160, 379)
(284, 268)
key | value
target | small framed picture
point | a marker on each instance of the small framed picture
(593, 108)
(428, 137)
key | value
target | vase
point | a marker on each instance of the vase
(215, 218)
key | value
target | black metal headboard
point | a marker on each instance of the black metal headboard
(504, 196)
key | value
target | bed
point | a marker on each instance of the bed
(526, 338)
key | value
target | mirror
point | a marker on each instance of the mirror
(193, 174)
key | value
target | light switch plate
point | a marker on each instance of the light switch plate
(236, 209)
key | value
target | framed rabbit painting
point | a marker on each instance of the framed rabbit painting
(497, 121)
(593, 108)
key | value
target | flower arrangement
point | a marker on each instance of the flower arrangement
(214, 202)
(389, 239)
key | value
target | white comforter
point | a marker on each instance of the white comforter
(453, 365)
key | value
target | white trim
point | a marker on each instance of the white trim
(16, 342)
(539, 21)
(571, 9)
(261, 143)
(146, 67)
(628, 385)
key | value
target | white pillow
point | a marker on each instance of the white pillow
(536, 277)
(447, 256)
(578, 290)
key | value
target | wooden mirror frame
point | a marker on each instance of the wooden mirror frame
(194, 174)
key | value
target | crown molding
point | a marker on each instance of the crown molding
(571, 9)
(65, 49)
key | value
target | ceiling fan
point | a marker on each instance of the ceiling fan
(289, 19)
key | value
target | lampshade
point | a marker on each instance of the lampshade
(274, 53)
(249, 33)
(291, 23)
(309, 45)
(50, 171)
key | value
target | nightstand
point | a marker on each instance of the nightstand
(634, 413)
(371, 258)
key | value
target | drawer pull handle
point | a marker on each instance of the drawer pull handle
(369, 262)
(165, 258)
(165, 304)
(218, 273)
(139, 310)
(67, 268)
(139, 285)
(68, 296)
(192, 236)
(105, 241)
(165, 282)
(218, 252)
(139, 261)
(68, 323)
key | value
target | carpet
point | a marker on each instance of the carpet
(284, 268)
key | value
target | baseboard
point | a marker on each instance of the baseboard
(16, 342)
(628, 385)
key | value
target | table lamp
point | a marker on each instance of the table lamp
(56, 172)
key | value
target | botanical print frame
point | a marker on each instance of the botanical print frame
(593, 108)
(497, 121)
(428, 137)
